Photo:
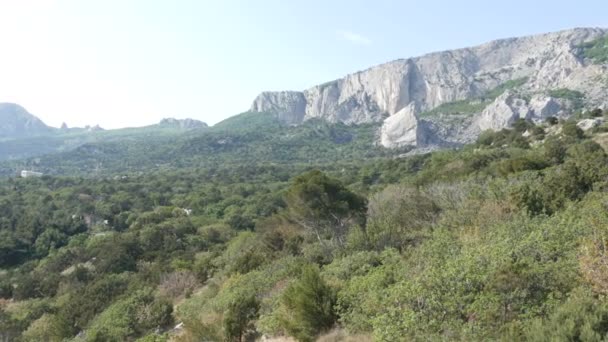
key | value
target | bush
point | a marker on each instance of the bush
(308, 306)
(238, 318)
(552, 120)
(518, 164)
(574, 96)
(521, 125)
(177, 284)
(582, 317)
(570, 129)
(596, 113)
(244, 253)
(555, 150)
(398, 216)
(131, 317)
(324, 206)
(596, 50)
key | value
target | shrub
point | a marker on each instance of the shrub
(324, 206)
(308, 306)
(574, 96)
(596, 113)
(570, 129)
(552, 120)
(176, 284)
(238, 318)
(43, 329)
(581, 318)
(555, 150)
(244, 253)
(521, 125)
(518, 164)
(130, 317)
(397, 216)
(596, 50)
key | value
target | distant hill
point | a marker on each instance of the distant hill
(23, 135)
(17, 122)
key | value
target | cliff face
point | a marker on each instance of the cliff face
(397, 92)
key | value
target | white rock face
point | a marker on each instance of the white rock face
(588, 124)
(502, 113)
(290, 106)
(542, 107)
(400, 129)
(548, 61)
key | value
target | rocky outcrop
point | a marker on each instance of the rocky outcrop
(95, 128)
(400, 129)
(503, 112)
(509, 107)
(588, 124)
(542, 107)
(545, 62)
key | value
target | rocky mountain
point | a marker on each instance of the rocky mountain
(447, 98)
(16, 122)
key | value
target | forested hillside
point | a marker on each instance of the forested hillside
(245, 139)
(503, 239)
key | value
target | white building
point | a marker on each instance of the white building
(25, 174)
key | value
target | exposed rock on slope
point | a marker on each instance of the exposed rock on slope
(289, 105)
(503, 112)
(185, 124)
(398, 91)
(400, 129)
(16, 122)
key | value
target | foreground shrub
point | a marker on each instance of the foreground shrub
(308, 306)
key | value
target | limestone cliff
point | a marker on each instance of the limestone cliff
(397, 92)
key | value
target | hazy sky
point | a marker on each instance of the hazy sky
(132, 62)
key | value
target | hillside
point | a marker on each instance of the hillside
(500, 240)
(245, 139)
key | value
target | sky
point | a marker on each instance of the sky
(124, 63)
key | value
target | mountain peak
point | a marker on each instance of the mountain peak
(17, 122)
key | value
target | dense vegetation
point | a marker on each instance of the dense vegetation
(501, 240)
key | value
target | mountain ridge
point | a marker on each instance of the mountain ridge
(24, 135)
